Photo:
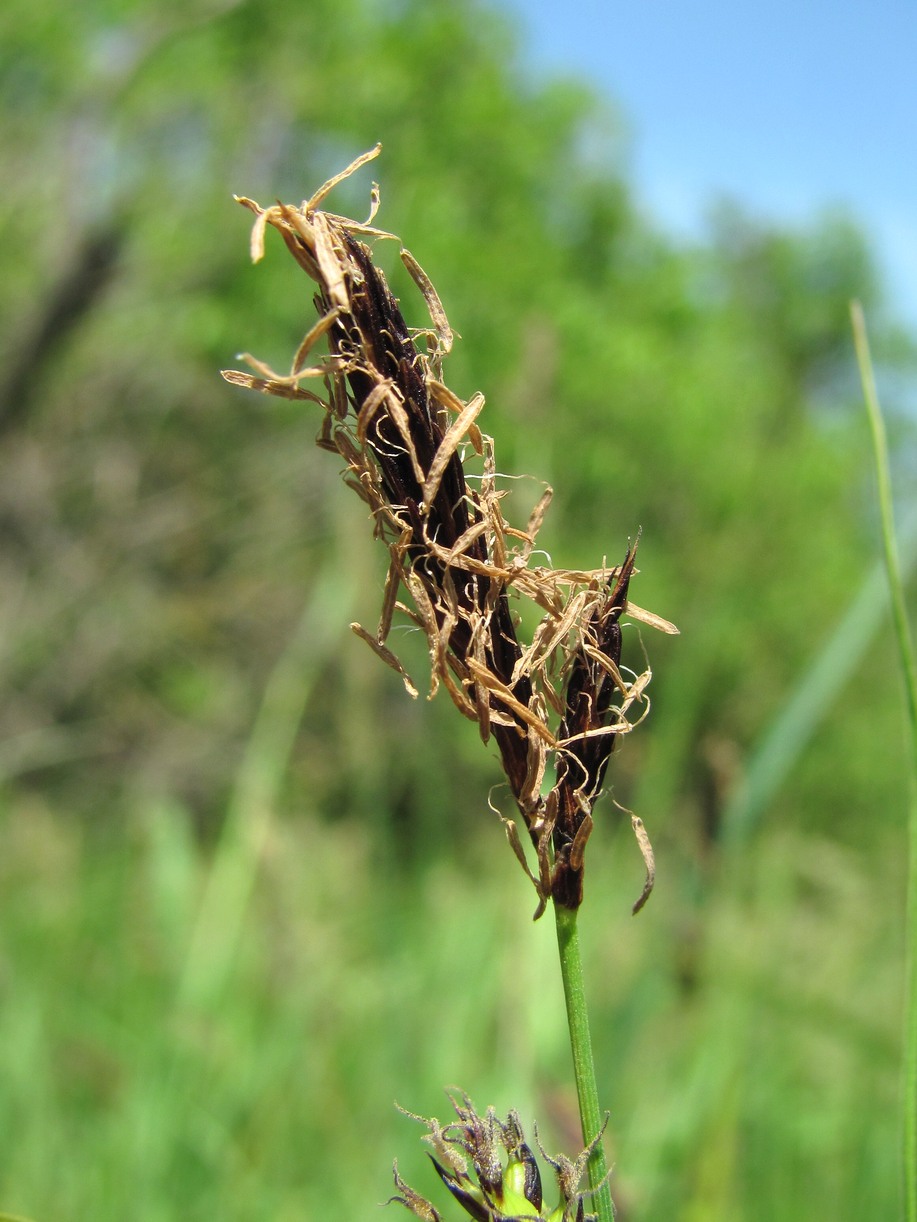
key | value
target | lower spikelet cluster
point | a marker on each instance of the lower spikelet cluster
(454, 561)
(491, 1171)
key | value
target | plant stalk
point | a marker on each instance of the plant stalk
(909, 676)
(571, 969)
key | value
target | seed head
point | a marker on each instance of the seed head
(490, 1170)
(405, 439)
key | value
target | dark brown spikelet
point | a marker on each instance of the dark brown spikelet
(405, 439)
(377, 329)
(588, 732)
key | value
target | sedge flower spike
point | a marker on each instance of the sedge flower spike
(406, 441)
(491, 1171)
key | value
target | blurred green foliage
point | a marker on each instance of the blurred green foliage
(251, 893)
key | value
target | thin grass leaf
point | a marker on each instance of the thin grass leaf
(909, 680)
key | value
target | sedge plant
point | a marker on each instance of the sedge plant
(562, 699)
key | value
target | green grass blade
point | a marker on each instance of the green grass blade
(909, 675)
(258, 779)
(833, 667)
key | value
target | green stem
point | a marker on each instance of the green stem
(571, 969)
(909, 675)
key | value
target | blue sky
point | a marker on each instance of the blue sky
(787, 107)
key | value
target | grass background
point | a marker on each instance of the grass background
(748, 1042)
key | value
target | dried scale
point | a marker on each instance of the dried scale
(404, 438)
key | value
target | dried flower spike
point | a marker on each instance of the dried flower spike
(404, 438)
